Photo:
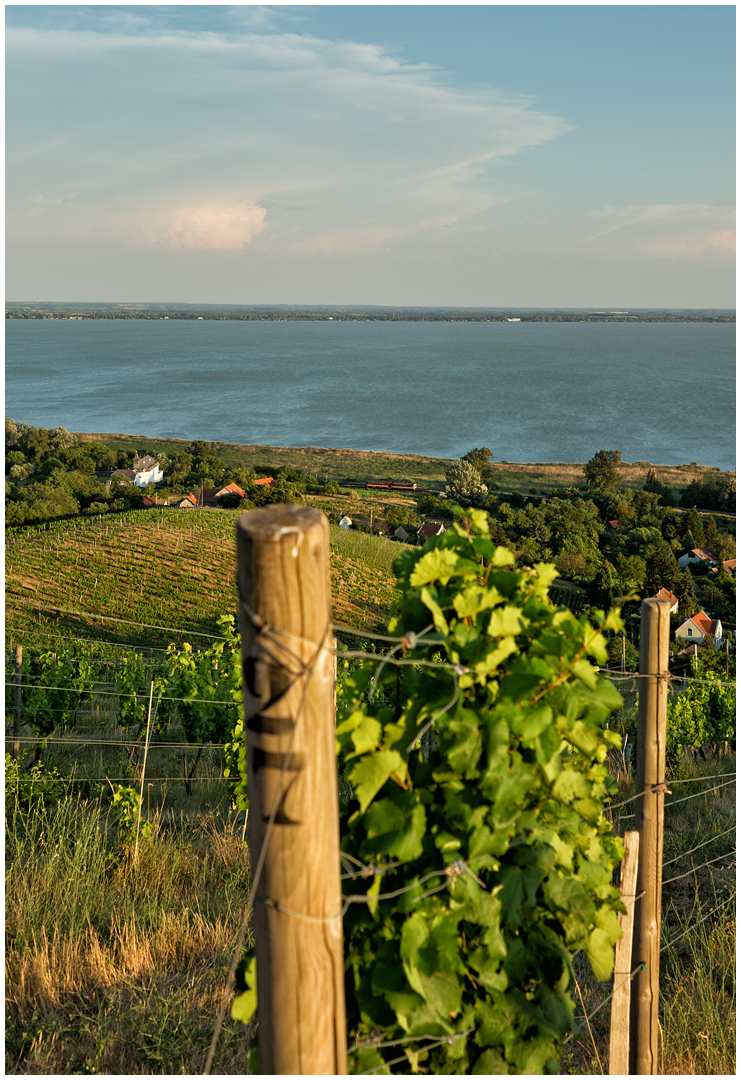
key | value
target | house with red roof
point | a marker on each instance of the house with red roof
(697, 627)
(664, 594)
(266, 480)
(698, 557)
(210, 496)
(430, 528)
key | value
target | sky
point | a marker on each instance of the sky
(490, 155)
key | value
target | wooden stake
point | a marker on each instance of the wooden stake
(283, 576)
(649, 821)
(17, 702)
(620, 1016)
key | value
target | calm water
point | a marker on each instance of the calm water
(531, 392)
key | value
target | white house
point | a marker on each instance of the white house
(698, 557)
(695, 629)
(147, 470)
(144, 470)
(345, 522)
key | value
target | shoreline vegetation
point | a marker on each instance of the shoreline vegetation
(344, 463)
(355, 313)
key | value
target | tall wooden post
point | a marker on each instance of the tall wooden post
(17, 701)
(649, 822)
(283, 576)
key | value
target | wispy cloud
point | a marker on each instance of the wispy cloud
(664, 231)
(225, 124)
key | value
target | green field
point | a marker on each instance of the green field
(167, 569)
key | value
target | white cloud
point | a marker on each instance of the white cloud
(209, 227)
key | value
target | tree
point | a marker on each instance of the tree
(464, 484)
(603, 470)
(654, 485)
(479, 457)
(695, 525)
(662, 571)
(603, 588)
(684, 590)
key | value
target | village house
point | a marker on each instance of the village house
(430, 528)
(406, 533)
(210, 496)
(266, 480)
(698, 557)
(697, 627)
(144, 470)
(664, 594)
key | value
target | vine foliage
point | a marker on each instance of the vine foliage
(492, 858)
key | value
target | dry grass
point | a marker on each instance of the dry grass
(115, 965)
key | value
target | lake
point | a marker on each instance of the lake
(531, 392)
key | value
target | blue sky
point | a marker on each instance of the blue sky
(466, 155)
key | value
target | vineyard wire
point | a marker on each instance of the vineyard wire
(110, 618)
(121, 743)
(607, 999)
(697, 923)
(442, 1041)
(702, 779)
(616, 676)
(728, 854)
(608, 673)
(121, 693)
(667, 806)
(712, 840)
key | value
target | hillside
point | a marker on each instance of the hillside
(168, 569)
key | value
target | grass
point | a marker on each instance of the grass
(115, 965)
(697, 974)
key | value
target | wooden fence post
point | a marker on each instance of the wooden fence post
(620, 1015)
(17, 702)
(649, 822)
(283, 577)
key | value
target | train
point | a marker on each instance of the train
(391, 485)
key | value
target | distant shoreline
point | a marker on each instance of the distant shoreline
(40, 310)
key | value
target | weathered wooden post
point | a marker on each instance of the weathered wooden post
(620, 1015)
(17, 702)
(288, 675)
(649, 822)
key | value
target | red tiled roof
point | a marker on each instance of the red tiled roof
(233, 489)
(664, 594)
(430, 528)
(730, 566)
(266, 480)
(705, 624)
(703, 553)
(613, 524)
